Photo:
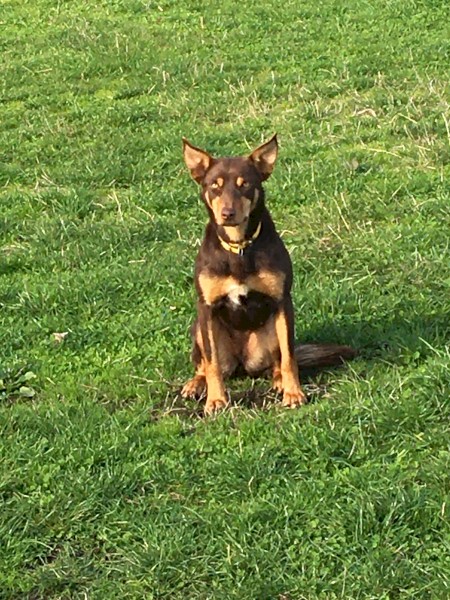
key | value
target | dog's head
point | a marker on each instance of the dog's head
(231, 187)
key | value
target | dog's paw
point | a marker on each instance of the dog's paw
(294, 398)
(194, 388)
(213, 406)
(277, 383)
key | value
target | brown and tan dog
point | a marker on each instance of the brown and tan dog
(243, 278)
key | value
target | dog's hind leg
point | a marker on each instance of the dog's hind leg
(262, 353)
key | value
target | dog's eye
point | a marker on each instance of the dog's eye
(241, 183)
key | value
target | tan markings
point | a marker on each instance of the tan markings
(236, 234)
(219, 181)
(208, 200)
(225, 349)
(216, 207)
(216, 397)
(199, 340)
(246, 207)
(267, 282)
(214, 287)
(261, 349)
(215, 387)
(240, 181)
(292, 392)
(277, 380)
(195, 387)
(242, 206)
(200, 370)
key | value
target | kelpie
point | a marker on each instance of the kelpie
(243, 278)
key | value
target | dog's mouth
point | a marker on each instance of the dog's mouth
(230, 224)
(233, 222)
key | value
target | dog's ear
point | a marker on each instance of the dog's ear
(264, 157)
(197, 161)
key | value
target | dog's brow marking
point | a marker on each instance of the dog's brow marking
(239, 181)
(219, 181)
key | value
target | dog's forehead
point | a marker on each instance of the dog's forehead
(232, 168)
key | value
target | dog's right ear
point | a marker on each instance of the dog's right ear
(197, 161)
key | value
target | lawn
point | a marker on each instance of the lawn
(110, 484)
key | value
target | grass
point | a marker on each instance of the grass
(109, 483)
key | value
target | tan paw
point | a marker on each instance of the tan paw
(293, 399)
(277, 383)
(213, 406)
(194, 388)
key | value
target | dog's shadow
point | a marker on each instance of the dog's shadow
(247, 394)
(374, 341)
(387, 338)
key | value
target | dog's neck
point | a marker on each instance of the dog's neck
(235, 234)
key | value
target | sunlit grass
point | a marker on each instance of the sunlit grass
(110, 483)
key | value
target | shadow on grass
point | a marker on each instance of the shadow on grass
(385, 336)
(399, 340)
(252, 395)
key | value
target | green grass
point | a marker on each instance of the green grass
(109, 485)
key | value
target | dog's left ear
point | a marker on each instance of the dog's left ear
(197, 161)
(264, 157)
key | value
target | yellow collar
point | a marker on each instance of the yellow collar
(239, 247)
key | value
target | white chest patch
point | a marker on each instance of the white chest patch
(235, 292)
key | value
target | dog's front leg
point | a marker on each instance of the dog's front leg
(284, 326)
(216, 396)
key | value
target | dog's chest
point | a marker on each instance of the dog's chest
(214, 288)
(243, 304)
(244, 308)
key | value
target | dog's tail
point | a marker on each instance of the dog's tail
(313, 356)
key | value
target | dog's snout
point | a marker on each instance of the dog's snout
(228, 213)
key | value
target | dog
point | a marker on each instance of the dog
(243, 279)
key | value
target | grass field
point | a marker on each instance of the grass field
(110, 485)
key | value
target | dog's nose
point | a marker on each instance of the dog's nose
(228, 213)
